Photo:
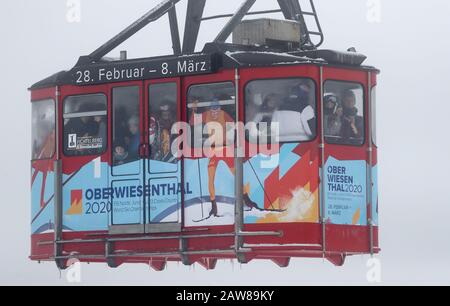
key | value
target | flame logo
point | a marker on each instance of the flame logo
(76, 203)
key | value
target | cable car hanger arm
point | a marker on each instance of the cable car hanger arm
(291, 10)
(153, 15)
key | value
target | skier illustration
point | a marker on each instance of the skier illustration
(213, 118)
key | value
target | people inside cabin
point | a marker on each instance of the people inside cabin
(120, 154)
(82, 127)
(334, 123)
(160, 136)
(154, 138)
(79, 128)
(165, 120)
(101, 127)
(262, 116)
(127, 138)
(270, 104)
(166, 153)
(333, 115)
(296, 117)
(330, 102)
(100, 124)
(353, 124)
(167, 115)
(133, 139)
(308, 115)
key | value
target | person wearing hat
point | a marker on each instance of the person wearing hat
(154, 138)
(166, 115)
(353, 124)
(166, 121)
(120, 154)
(333, 115)
(330, 102)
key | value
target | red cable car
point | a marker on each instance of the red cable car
(260, 149)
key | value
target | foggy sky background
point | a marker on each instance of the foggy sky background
(411, 48)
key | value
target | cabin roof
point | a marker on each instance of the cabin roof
(222, 56)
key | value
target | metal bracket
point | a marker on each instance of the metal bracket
(153, 15)
(291, 9)
(194, 15)
(235, 20)
(174, 31)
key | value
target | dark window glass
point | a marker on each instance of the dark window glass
(43, 129)
(284, 105)
(162, 116)
(343, 114)
(126, 127)
(85, 125)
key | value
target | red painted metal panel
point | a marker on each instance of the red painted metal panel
(296, 239)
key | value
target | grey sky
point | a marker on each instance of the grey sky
(410, 48)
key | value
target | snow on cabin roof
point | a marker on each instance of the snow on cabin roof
(265, 58)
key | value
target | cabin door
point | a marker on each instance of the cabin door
(127, 160)
(163, 169)
(345, 137)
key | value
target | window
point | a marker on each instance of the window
(209, 106)
(374, 115)
(85, 125)
(43, 129)
(343, 113)
(288, 103)
(126, 128)
(162, 116)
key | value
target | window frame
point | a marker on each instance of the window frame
(55, 124)
(316, 105)
(373, 113)
(205, 84)
(363, 87)
(105, 146)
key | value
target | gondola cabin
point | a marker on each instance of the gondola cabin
(260, 149)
